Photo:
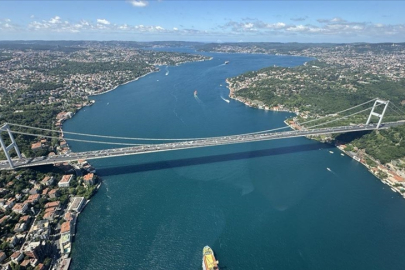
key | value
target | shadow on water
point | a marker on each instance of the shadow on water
(167, 164)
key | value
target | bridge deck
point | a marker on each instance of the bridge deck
(151, 148)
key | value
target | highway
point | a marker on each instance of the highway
(209, 142)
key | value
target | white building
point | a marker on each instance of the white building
(65, 181)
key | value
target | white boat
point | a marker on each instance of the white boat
(331, 152)
(329, 169)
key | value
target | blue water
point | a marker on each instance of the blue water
(265, 205)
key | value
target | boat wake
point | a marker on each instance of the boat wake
(198, 100)
(224, 99)
(175, 113)
(329, 169)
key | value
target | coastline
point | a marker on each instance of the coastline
(150, 72)
(101, 93)
(67, 259)
(375, 172)
(251, 103)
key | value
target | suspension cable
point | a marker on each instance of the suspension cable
(394, 110)
(342, 117)
(306, 122)
(77, 140)
(174, 139)
(400, 110)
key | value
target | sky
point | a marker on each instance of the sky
(205, 21)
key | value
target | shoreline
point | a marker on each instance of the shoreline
(150, 72)
(68, 258)
(392, 185)
(250, 103)
(100, 179)
(133, 80)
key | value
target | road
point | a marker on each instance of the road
(209, 142)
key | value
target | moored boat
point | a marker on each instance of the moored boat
(209, 262)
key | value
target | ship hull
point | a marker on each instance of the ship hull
(209, 262)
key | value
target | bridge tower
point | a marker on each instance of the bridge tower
(13, 144)
(380, 116)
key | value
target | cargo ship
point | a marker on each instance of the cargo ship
(209, 262)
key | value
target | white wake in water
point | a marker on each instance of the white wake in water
(196, 98)
(224, 99)
(178, 117)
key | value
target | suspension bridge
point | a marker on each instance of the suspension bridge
(305, 129)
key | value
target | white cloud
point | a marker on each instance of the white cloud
(323, 30)
(55, 20)
(138, 3)
(248, 25)
(297, 28)
(103, 21)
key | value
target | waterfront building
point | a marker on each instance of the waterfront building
(89, 179)
(65, 237)
(76, 204)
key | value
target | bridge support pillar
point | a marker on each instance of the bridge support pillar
(13, 144)
(380, 116)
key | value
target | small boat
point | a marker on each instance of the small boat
(331, 152)
(342, 154)
(226, 62)
(195, 92)
(209, 262)
(329, 169)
